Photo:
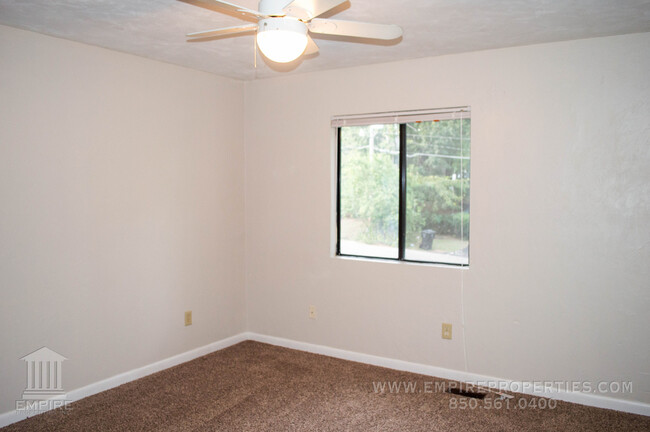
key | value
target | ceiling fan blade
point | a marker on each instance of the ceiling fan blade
(224, 31)
(355, 29)
(308, 9)
(312, 48)
(234, 8)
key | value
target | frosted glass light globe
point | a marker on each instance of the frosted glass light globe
(282, 39)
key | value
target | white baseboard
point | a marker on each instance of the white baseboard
(135, 374)
(575, 397)
(594, 400)
(123, 378)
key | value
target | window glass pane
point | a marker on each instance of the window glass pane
(437, 191)
(369, 190)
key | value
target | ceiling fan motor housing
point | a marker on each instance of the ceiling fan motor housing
(272, 7)
(282, 24)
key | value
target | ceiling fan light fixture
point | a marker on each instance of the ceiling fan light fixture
(282, 39)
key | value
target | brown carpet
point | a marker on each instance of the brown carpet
(257, 387)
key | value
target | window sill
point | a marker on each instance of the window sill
(396, 261)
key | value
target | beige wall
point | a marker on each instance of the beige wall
(559, 283)
(121, 206)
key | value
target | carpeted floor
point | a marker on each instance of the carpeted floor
(258, 387)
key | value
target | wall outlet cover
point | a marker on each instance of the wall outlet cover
(446, 331)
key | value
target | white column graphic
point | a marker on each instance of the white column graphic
(44, 375)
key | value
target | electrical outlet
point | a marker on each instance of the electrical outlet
(188, 318)
(446, 331)
(312, 312)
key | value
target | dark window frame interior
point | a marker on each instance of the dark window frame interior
(401, 248)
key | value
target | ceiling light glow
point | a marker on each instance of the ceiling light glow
(282, 39)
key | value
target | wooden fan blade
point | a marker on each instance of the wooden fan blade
(308, 9)
(355, 29)
(312, 48)
(223, 31)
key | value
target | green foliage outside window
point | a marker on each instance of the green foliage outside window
(437, 179)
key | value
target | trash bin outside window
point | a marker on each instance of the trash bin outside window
(427, 239)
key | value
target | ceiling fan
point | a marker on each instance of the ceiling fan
(283, 26)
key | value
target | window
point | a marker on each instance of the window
(403, 186)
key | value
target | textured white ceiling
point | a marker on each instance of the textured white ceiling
(156, 29)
